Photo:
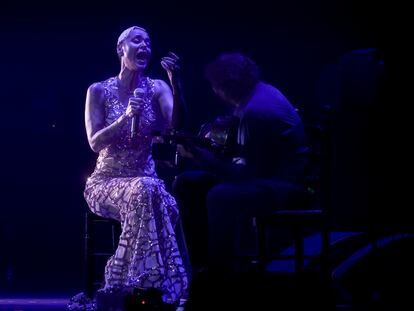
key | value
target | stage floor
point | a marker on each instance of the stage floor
(23, 304)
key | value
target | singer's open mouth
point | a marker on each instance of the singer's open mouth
(142, 55)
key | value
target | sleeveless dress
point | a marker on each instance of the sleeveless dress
(124, 186)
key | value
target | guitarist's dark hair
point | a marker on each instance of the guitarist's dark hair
(234, 73)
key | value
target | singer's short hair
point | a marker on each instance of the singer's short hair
(234, 73)
(125, 35)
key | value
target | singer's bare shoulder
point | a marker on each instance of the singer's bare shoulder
(95, 93)
(96, 89)
(161, 87)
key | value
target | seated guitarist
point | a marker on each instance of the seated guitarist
(217, 202)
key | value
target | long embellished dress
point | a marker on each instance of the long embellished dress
(124, 186)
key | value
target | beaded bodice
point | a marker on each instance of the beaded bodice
(128, 157)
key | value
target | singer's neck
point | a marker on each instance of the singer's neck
(129, 80)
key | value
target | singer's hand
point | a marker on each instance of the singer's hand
(170, 64)
(135, 106)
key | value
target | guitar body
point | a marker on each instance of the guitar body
(222, 134)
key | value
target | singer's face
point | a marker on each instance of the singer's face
(137, 50)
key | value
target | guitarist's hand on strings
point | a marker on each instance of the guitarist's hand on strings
(184, 152)
(196, 154)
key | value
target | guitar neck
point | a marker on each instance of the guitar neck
(185, 139)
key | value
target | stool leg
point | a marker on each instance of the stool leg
(326, 241)
(88, 258)
(261, 244)
(299, 250)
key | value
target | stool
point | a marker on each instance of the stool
(311, 213)
(101, 239)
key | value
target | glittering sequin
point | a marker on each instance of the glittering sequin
(124, 186)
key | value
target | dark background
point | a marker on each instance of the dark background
(51, 53)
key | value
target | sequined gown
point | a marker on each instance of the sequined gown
(124, 186)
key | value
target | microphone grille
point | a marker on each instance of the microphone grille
(139, 92)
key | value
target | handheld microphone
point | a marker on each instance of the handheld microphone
(138, 93)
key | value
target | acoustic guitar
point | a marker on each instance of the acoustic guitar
(219, 136)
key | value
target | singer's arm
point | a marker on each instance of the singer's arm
(98, 135)
(179, 110)
(171, 64)
(165, 99)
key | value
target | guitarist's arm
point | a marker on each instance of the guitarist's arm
(206, 159)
